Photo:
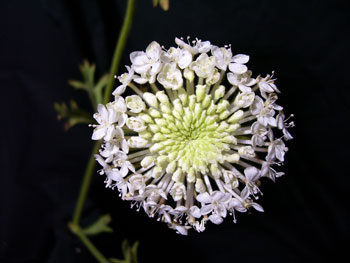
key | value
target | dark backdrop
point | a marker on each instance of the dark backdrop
(41, 44)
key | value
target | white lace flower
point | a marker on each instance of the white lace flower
(191, 146)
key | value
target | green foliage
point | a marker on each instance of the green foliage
(94, 90)
(129, 253)
(99, 226)
(72, 113)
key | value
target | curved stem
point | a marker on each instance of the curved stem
(86, 241)
(90, 168)
(120, 48)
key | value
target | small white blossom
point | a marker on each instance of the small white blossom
(125, 79)
(136, 183)
(265, 115)
(135, 124)
(148, 61)
(283, 125)
(223, 57)
(244, 99)
(266, 85)
(178, 191)
(135, 103)
(216, 203)
(182, 57)
(203, 65)
(106, 118)
(170, 77)
(137, 142)
(247, 151)
(276, 149)
(242, 81)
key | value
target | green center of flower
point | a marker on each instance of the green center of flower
(189, 136)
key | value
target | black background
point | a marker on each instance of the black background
(41, 44)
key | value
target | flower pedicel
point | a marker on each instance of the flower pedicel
(192, 142)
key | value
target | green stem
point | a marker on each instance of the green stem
(86, 241)
(90, 168)
(118, 52)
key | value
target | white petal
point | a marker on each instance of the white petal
(257, 105)
(244, 88)
(100, 160)
(238, 68)
(99, 133)
(102, 111)
(206, 209)
(143, 68)
(155, 68)
(217, 195)
(195, 211)
(251, 173)
(204, 198)
(109, 133)
(203, 46)
(257, 207)
(140, 80)
(138, 58)
(221, 210)
(232, 78)
(185, 59)
(119, 90)
(263, 85)
(122, 119)
(240, 58)
(216, 219)
(181, 230)
(153, 50)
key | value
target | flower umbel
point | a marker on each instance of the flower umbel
(194, 137)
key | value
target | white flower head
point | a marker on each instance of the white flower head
(191, 144)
